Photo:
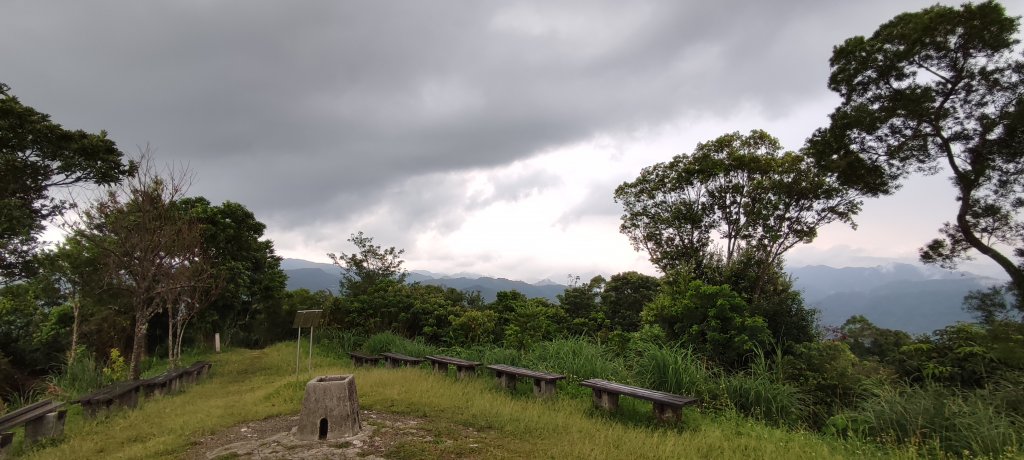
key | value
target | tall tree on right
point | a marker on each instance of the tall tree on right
(938, 89)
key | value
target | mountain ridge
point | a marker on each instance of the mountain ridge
(896, 295)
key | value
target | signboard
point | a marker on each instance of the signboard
(307, 318)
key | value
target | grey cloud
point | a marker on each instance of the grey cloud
(306, 111)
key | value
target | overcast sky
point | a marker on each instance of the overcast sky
(482, 137)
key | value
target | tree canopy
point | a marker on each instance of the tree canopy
(937, 90)
(741, 188)
(36, 156)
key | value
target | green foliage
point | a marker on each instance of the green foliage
(474, 327)
(960, 423)
(578, 359)
(934, 90)
(744, 188)
(831, 376)
(368, 266)
(676, 370)
(531, 322)
(582, 307)
(116, 369)
(714, 320)
(766, 399)
(868, 341)
(624, 297)
(38, 156)
(77, 377)
(249, 305)
(390, 342)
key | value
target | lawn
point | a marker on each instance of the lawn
(248, 385)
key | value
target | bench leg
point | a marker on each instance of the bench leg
(6, 439)
(505, 381)
(358, 362)
(47, 426)
(543, 388)
(440, 368)
(391, 364)
(466, 372)
(667, 413)
(605, 400)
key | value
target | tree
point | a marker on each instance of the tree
(624, 297)
(246, 266)
(36, 157)
(937, 89)
(71, 267)
(744, 188)
(145, 244)
(370, 265)
(712, 319)
(582, 307)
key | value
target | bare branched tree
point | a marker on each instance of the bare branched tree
(147, 246)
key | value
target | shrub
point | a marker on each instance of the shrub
(116, 368)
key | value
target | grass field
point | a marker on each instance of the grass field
(248, 385)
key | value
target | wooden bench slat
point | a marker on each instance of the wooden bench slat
(29, 413)
(401, 357)
(522, 372)
(452, 361)
(356, 354)
(637, 392)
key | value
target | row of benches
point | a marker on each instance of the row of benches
(127, 394)
(45, 419)
(667, 406)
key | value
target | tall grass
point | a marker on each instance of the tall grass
(766, 399)
(76, 378)
(337, 342)
(391, 342)
(955, 421)
(676, 370)
(579, 359)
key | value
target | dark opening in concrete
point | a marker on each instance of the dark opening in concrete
(323, 429)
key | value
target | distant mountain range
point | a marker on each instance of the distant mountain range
(897, 296)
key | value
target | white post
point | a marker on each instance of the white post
(298, 350)
(310, 349)
(216, 342)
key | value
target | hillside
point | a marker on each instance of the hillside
(896, 296)
(451, 419)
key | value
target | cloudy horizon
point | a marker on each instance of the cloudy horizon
(479, 137)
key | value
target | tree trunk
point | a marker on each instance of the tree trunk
(138, 345)
(170, 336)
(76, 307)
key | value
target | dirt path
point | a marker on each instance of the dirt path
(383, 436)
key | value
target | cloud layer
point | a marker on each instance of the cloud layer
(414, 120)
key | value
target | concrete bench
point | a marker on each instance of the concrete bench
(465, 368)
(544, 384)
(197, 371)
(363, 359)
(44, 419)
(122, 394)
(398, 359)
(166, 383)
(667, 406)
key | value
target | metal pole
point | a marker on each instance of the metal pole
(298, 347)
(310, 349)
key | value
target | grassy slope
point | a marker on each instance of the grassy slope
(251, 385)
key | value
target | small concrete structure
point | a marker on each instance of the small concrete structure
(330, 409)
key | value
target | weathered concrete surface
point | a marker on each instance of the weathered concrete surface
(330, 409)
(48, 426)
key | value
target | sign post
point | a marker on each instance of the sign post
(305, 318)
